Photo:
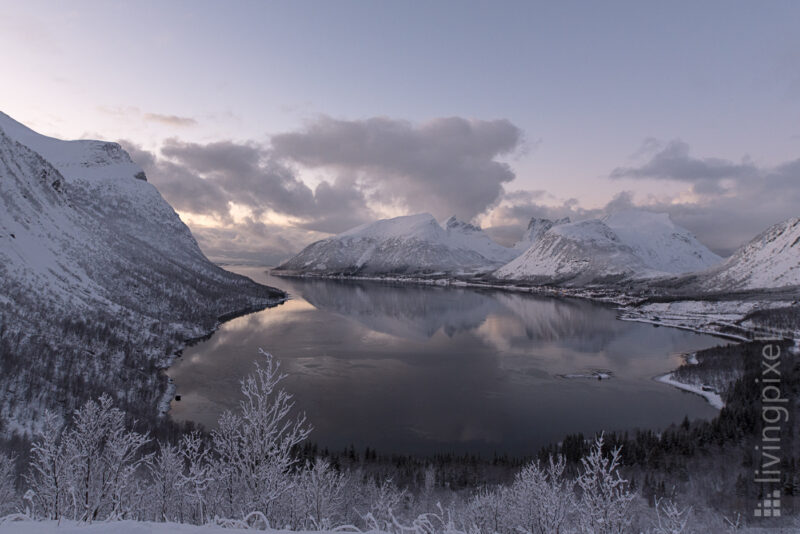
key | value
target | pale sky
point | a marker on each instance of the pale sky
(268, 124)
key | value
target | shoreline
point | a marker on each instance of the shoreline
(163, 404)
(713, 398)
(625, 304)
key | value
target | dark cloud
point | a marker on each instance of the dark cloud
(724, 222)
(247, 173)
(340, 206)
(170, 120)
(673, 162)
(205, 179)
(508, 221)
(182, 188)
(252, 241)
(734, 201)
(444, 166)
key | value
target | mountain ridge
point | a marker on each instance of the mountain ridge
(406, 245)
(100, 280)
(628, 245)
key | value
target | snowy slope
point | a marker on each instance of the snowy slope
(770, 260)
(94, 264)
(624, 246)
(577, 253)
(469, 236)
(412, 244)
(661, 244)
(536, 229)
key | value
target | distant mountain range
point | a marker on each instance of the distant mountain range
(620, 248)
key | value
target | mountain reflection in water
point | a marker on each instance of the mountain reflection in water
(419, 369)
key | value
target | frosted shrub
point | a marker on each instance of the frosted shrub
(383, 501)
(199, 475)
(167, 490)
(254, 446)
(321, 492)
(47, 475)
(540, 499)
(488, 511)
(670, 518)
(8, 493)
(102, 460)
(605, 501)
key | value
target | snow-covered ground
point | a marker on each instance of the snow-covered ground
(116, 527)
(712, 397)
(720, 318)
(142, 527)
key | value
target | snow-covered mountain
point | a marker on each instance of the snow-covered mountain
(536, 229)
(99, 277)
(771, 260)
(628, 245)
(412, 244)
(663, 246)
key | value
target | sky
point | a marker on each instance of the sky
(268, 125)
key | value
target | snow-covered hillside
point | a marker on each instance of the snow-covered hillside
(536, 229)
(770, 260)
(628, 245)
(412, 244)
(98, 276)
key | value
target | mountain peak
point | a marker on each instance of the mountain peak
(410, 244)
(537, 226)
(769, 260)
(624, 245)
(454, 223)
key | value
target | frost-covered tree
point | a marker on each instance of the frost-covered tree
(539, 498)
(47, 477)
(103, 457)
(383, 500)
(166, 471)
(605, 501)
(198, 473)
(670, 519)
(321, 490)
(8, 493)
(254, 446)
(488, 511)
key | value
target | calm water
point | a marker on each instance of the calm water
(422, 369)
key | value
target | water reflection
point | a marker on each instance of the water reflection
(421, 369)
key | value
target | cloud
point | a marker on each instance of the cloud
(507, 223)
(252, 241)
(133, 111)
(183, 189)
(444, 166)
(210, 179)
(728, 203)
(731, 202)
(249, 175)
(170, 120)
(673, 162)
